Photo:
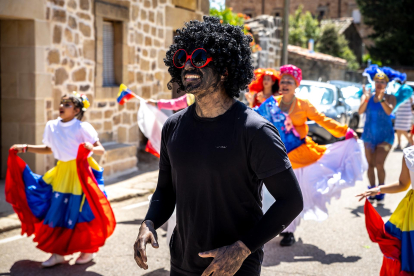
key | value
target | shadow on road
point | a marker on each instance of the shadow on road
(27, 267)
(135, 221)
(301, 252)
(158, 272)
(383, 212)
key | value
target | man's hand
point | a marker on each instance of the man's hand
(227, 259)
(147, 234)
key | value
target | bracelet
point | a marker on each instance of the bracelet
(25, 149)
(382, 100)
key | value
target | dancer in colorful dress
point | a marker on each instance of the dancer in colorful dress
(265, 85)
(378, 135)
(396, 239)
(66, 208)
(322, 171)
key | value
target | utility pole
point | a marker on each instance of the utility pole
(285, 33)
(263, 7)
(339, 8)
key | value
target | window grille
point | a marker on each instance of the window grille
(108, 54)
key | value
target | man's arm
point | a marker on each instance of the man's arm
(284, 187)
(160, 210)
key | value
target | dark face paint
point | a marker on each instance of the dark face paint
(207, 81)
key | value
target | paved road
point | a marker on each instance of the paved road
(337, 246)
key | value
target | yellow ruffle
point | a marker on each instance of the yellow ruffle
(64, 177)
(403, 217)
(306, 154)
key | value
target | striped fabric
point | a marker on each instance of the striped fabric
(403, 116)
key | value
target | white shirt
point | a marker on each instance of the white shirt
(409, 161)
(64, 138)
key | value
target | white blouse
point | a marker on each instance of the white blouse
(64, 138)
(409, 160)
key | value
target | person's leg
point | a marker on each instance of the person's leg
(370, 155)
(405, 133)
(381, 154)
(399, 132)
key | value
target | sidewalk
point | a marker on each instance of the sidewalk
(117, 189)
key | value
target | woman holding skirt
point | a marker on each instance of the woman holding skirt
(322, 171)
(66, 208)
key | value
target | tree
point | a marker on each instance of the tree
(227, 16)
(335, 44)
(302, 27)
(393, 36)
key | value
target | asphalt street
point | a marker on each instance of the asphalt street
(337, 246)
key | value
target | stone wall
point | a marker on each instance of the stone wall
(266, 31)
(71, 60)
(317, 66)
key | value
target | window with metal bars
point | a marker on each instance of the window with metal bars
(108, 54)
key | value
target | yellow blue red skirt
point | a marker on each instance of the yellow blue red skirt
(401, 226)
(66, 208)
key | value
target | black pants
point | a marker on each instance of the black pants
(251, 266)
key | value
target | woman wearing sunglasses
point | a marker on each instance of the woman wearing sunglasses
(322, 171)
(66, 221)
(265, 85)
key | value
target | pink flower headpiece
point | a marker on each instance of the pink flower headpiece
(292, 71)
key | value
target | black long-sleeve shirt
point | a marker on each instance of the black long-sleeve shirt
(213, 170)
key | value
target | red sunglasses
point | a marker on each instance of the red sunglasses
(199, 58)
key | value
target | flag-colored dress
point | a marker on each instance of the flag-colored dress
(322, 171)
(66, 209)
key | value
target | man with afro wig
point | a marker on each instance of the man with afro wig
(215, 156)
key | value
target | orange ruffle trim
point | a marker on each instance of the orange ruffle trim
(306, 154)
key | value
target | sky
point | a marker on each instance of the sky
(216, 3)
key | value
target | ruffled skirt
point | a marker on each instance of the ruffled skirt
(66, 208)
(342, 164)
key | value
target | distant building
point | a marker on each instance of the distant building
(346, 26)
(50, 48)
(320, 9)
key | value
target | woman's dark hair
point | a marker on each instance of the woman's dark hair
(275, 87)
(77, 102)
(227, 45)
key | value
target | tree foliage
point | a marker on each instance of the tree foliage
(335, 44)
(227, 16)
(302, 27)
(392, 22)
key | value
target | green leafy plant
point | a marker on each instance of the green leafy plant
(227, 16)
(302, 27)
(335, 44)
(393, 35)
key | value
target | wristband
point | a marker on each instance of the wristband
(382, 100)
(379, 189)
(26, 147)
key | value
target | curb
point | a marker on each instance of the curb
(12, 222)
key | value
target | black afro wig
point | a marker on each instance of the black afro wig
(227, 45)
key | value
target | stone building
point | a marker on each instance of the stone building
(52, 47)
(317, 66)
(266, 31)
(321, 9)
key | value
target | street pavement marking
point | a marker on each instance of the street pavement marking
(136, 205)
(12, 238)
